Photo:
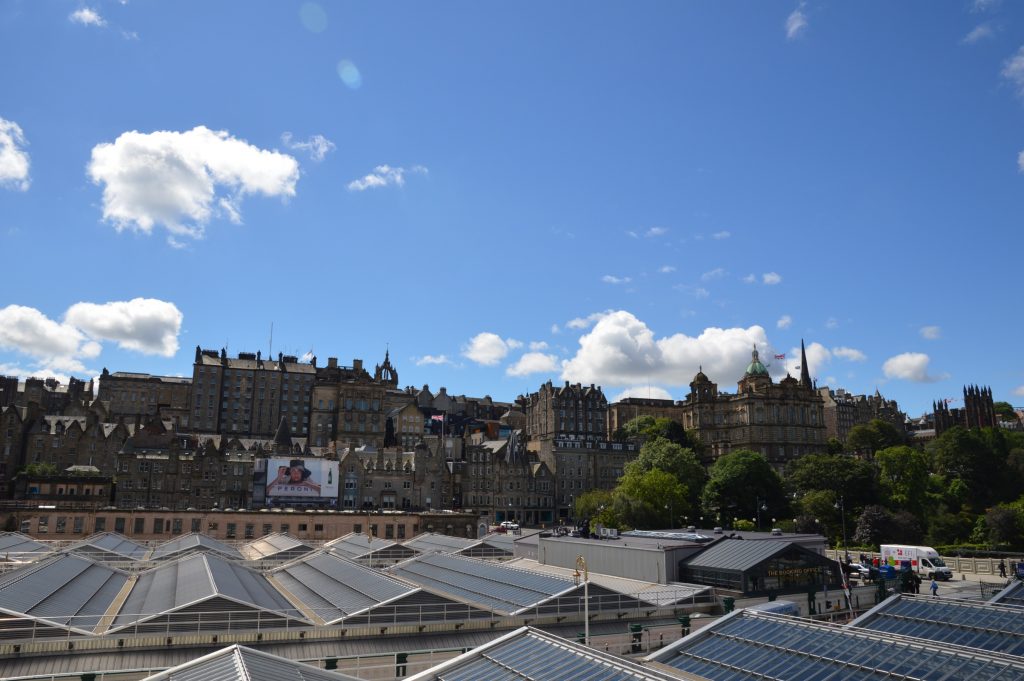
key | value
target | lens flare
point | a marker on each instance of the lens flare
(313, 17)
(349, 74)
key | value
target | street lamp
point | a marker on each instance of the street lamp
(582, 563)
(841, 507)
(671, 513)
(760, 505)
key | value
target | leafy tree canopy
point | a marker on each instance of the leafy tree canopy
(843, 475)
(903, 476)
(737, 481)
(652, 499)
(648, 427)
(659, 453)
(869, 438)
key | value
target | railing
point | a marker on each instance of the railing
(18, 634)
(977, 566)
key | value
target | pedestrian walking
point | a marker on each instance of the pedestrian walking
(934, 587)
(1002, 568)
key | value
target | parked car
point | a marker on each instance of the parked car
(510, 525)
(857, 570)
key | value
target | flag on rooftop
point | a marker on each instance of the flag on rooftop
(783, 356)
(437, 417)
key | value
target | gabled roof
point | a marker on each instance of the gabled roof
(238, 663)
(17, 547)
(747, 644)
(432, 542)
(737, 554)
(277, 546)
(193, 580)
(193, 543)
(529, 653)
(949, 621)
(484, 583)
(334, 588)
(66, 590)
(356, 545)
(1013, 594)
(110, 546)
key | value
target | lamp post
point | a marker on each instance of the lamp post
(760, 505)
(582, 563)
(671, 513)
(841, 507)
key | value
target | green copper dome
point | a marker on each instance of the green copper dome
(755, 368)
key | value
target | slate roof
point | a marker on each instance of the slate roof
(110, 546)
(192, 543)
(276, 546)
(747, 644)
(238, 663)
(736, 554)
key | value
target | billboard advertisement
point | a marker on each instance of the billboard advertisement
(309, 477)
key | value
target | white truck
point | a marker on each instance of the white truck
(924, 560)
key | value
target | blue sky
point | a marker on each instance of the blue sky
(612, 193)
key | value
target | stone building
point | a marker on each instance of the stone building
(394, 478)
(978, 411)
(501, 480)
(349, 406)
(159, 467)
(622, 412)
(248, 395)
(132, 394)
(782, 421)
(573, 412)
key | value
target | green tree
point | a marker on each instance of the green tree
(1005, 411)
(903, 477)
(596, 506)
(1003, 523)
(874, 526)
(870, 437)
(737, 481)
(645, 428)
(650, 499)
(834, 446)
(963, 455)
(659, 453)
(41, 469)
(841, 474)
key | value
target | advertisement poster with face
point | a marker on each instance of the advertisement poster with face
(302, 478)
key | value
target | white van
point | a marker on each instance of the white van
(924, 560)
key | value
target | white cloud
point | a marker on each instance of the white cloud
(630, 233)
(910, 366)
(651, 392)
(533, 363)
(29, 331)
(1019, 391)
(831, 323)
(489, 348)
(14, 160)
(721, 235)
(87, 17)
(610, 279)
(984, 5)
(1013, 71)
(317, 146)
(771, 278)
(716, 273)
(785, 321)
(666, 269)
(701, 293)
(622, 350)
(555, 329)
(145, 325)
(171, 178)
(930, 332)
(850, 354)
(749, 279)
(978, 33)
(796, 24)
(433, 359)
(656, 231)
(538, 345)
(383, 176)
(585, 322)
(59, 348)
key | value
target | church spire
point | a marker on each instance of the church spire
(805, 373)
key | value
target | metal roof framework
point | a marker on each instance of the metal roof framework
(238, 663)
(204, 592)
(17, 547)
(949, 621)
(277, 546)
(66, 591)
(505, 590)
(529, 653)
(191, 543)
(1012, 594)
(368, 549)
(748, 644)
(335, 588)
(110, 546)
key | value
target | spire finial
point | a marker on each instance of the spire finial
(805, 373)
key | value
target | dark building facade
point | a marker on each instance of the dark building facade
(978, 411)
